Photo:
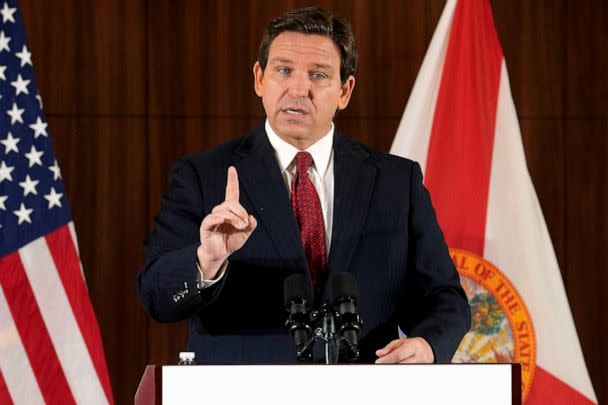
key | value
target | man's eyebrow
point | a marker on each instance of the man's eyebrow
(323, 66)
(280, 60)
(289, 61)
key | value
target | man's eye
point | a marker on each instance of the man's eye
(318, 75)
(283, 70)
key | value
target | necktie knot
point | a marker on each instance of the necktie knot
(303, 161)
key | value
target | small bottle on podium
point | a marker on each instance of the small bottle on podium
(186, 359)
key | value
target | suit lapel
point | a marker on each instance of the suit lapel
(260, 179)
(353, 186)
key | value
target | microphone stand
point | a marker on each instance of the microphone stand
(325, 332)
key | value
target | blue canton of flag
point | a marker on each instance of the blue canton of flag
(32, 197)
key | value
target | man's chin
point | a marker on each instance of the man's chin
(293, 131)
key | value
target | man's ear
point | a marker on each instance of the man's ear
(258, 76)
(346, 90)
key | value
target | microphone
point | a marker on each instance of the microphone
(298, 298)
(345, 300)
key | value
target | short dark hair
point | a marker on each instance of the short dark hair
(314, 20)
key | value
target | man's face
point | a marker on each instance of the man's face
(301, 87)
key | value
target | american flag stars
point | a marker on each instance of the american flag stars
(30, 179)
(23, 214)
(55, 169)
(54, 198)
(25, 56)
(20, 85)
(29, 186)
(5, 172)
(34, 156)
(39, 128)
(10, 144)
(8, 13)
(4, 41)
(16, 114)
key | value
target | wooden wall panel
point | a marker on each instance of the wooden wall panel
(377, 133)
(89, 57)
(103, 165)
(200, 61)
(532, 36)
(129, 86)
(388, 58)
(203, 64)
(587, 60)
(586, 241)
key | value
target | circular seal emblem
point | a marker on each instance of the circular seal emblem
(501, 327)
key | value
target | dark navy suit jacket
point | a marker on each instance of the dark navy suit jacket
(384, 232)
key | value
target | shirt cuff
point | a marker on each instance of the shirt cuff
(202, 284)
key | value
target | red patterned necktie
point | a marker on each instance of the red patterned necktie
(307, 208)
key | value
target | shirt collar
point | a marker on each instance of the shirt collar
(286, 152)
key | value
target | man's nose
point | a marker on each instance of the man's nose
(299, 85)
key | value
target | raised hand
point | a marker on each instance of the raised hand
(225, 230)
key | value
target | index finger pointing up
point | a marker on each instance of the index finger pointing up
(232, 185)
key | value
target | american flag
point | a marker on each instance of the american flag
(50, 346)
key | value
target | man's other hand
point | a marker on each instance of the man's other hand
(225, 230)
(410, 350)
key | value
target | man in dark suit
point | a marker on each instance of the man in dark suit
(296, 196)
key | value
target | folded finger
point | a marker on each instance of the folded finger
(232, 219)
(253, 223)
(213, 220)
(235, 207)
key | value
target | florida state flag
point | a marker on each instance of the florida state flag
(460, 124)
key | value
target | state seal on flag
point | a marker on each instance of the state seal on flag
(501, 326)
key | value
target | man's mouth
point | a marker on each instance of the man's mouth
(294, 111)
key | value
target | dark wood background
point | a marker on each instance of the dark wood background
(130, 85)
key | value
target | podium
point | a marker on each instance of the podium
(470, 384)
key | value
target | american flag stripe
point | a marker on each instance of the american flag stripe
(5, 398)
(61, 322)
(63, 251)
(19, 389)
(33, 331)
